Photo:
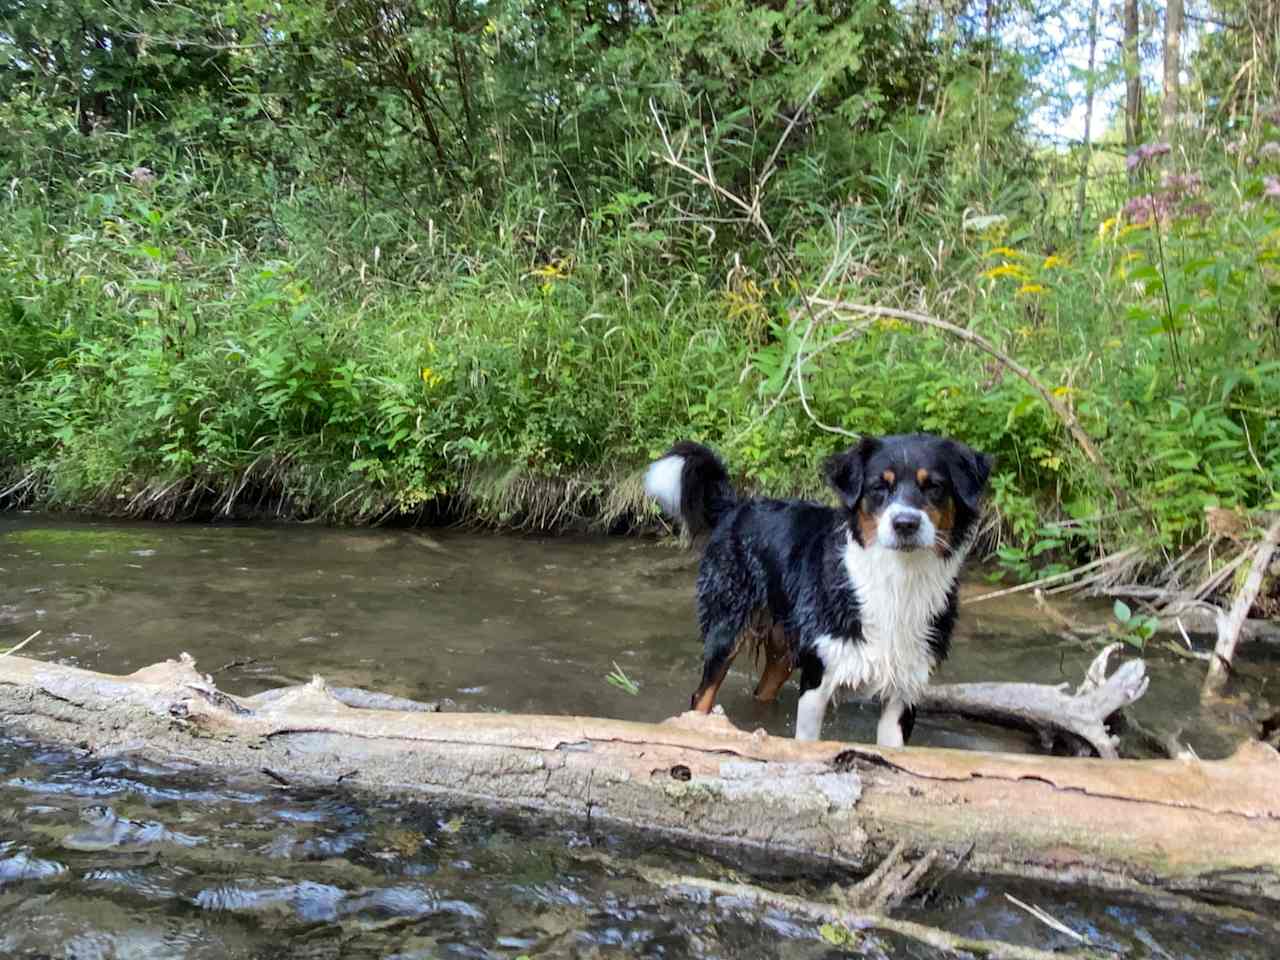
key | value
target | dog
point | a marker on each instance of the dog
(863, 596)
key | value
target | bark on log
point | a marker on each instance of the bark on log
(1149, 826)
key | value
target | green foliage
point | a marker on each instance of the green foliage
(364, 257)
(1133, 628)
(620, 680)
(838, 935)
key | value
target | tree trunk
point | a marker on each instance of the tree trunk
(1169, 106)
(1082, 187)
(1133, 76)
(1161, 828)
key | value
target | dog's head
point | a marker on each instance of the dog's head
(910, 491)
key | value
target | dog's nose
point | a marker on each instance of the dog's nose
(906, 525)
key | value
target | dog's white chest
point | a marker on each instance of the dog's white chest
(899, 595)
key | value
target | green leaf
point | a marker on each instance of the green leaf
(1122, 611)
(835, 935)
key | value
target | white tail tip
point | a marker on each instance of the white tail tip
(662, 482)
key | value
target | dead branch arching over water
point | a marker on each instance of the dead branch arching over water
(1153, 827)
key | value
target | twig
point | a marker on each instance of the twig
(1216, 579)
(283, 781)
(820, 912)
(1046, 919)
(1060, 410)
(755, 217)
(19, 486)
(1064, 624)
(1186, 638)
(22, 644)
(770, 165)
(1045, 581)
(707, 179)
(1229, 626)
(932, 892)
(864, 891)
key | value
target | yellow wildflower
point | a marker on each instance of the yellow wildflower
(430, 377)
(1029, 289)
(1002, 252)
(1005, 270)
(1106, 226)
(1051, 261)
(555, 270)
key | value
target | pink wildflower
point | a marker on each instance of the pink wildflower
(1182, 183)
(1148, 151)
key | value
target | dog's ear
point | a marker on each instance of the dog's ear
(969, 472)
(845, 471)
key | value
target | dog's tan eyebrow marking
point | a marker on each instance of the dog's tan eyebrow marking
(922, 475)
(889, 476)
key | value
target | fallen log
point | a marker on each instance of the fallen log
(1154, 827)
(1051, 711)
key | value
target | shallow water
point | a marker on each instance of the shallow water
(115, 859)
(128, 860)
(528, 625)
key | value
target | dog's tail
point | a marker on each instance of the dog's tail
(690, 482)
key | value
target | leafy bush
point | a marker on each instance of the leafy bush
(323, 259)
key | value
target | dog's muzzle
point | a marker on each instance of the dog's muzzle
(905, 528)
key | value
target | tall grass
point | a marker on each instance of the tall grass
(190, 346)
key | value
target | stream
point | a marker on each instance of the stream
(117, 858)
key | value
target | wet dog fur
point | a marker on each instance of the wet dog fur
(862, 596)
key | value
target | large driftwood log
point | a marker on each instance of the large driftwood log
(1159, 827)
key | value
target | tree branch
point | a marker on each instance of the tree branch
(1059, 409)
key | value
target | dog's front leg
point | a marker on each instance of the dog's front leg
(896, 720)
(814, 697)
(809, 714)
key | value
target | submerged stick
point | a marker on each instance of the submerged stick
(15, 649)
(851, 920)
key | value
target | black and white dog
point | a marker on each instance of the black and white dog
(861, 597)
